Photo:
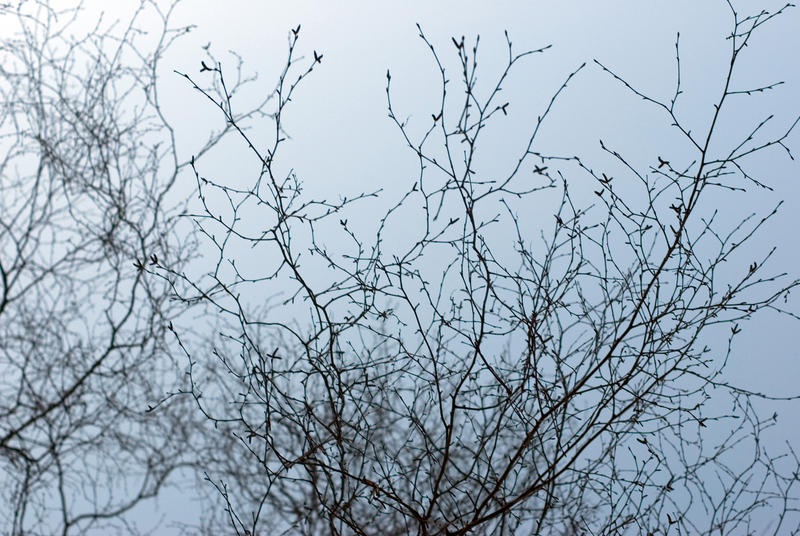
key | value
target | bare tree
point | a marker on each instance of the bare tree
(456, 374)
(87, 200)
(456, 368)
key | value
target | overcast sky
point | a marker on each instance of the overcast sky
(343, 142)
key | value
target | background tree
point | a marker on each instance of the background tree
(88, 199)
(455, 373)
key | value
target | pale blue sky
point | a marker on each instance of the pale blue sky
(344, 143)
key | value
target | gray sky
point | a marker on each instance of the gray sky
(344, 143)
